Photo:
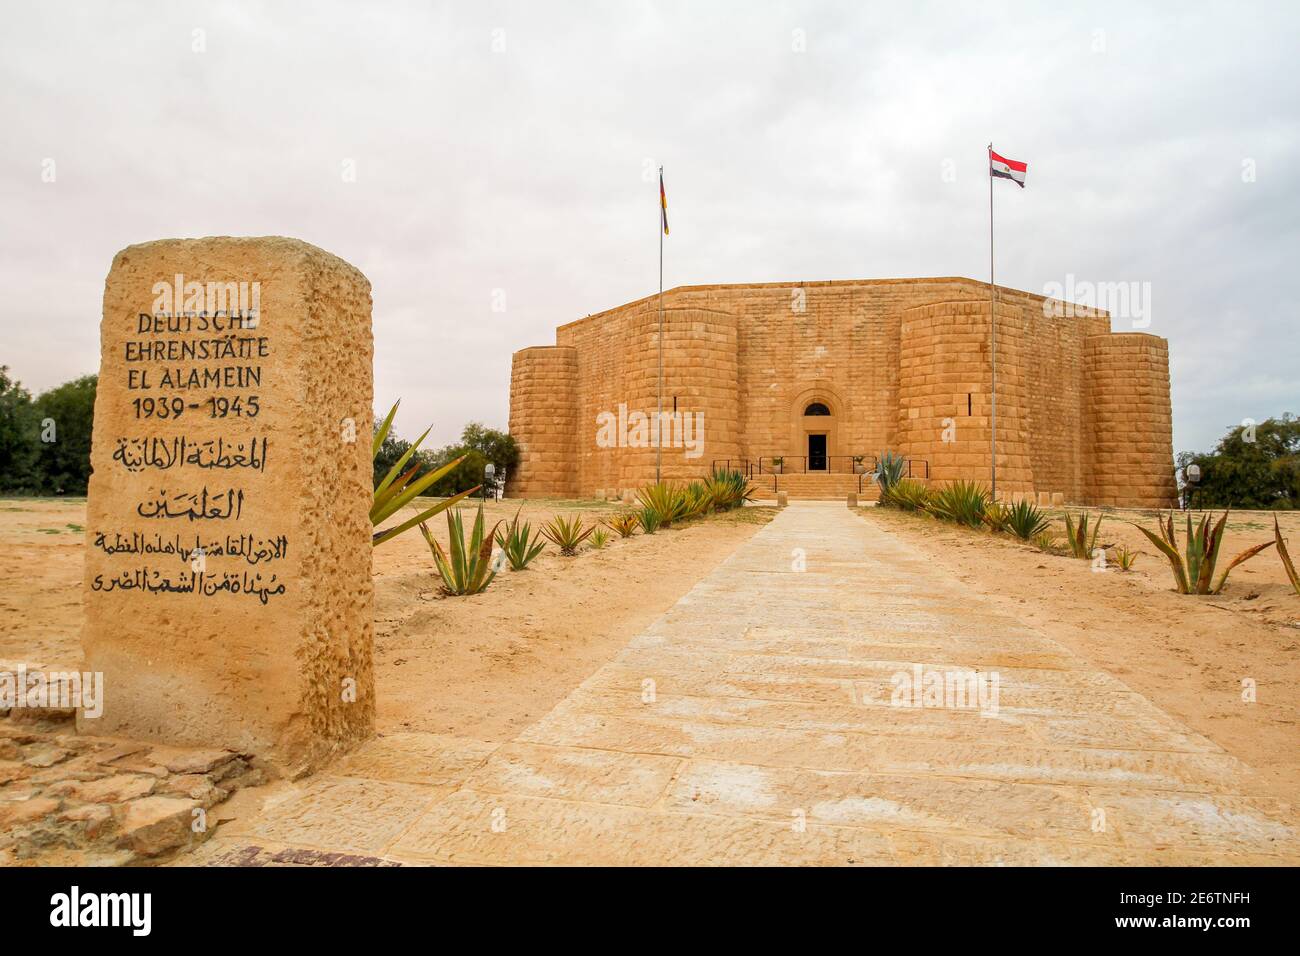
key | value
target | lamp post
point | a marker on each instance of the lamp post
(489, 471)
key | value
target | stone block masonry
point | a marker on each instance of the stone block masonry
(229, 600)
(849, 368)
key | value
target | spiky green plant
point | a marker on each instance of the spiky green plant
(1286, 556)
(667, 499)
(699, 499)
(1045, 540)
(996, 516)
(398, 487)
(962, 502)
(467, 568)
(1194, 569)
(519, 543)
(907, 494)
(1125, 557)
(650, 519)
(599, 538)
(1026, 521)
(625, 523)
(567, 534)
(1081, 545)
(889, 471)
(729, 488)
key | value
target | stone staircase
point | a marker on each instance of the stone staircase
(813, 486)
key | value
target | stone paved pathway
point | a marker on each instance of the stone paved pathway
(752, 724)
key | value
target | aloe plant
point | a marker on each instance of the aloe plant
(398, 488)
(1076, 535)
(467, 569)
(519, 544)
(567, 534)
(907, 494)
(1025, 520)
(599, 538)
(667, 499)
(650, 519)
(889, 471)
(729, 488)
(1125, 557)
(1286, 556)
(1194, 569)
(625, 523)
(962, 502)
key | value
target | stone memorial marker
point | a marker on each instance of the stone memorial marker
(228, 589)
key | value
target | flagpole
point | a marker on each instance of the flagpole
(993, 336)
(659, 416)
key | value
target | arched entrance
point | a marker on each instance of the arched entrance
(816, 414)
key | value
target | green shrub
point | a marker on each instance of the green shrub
(889, 471)
(519, 543)
(625, 523)
(729, 489)
(468, 567)
(1076, 536)
(908, 494)
(1026, 521)
(567, 534)
(667, 499)
(962, 502)
(1194, 573)
(650, 519)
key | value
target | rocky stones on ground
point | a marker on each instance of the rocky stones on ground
(70, 798)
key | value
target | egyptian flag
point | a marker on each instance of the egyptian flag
(1007, 169)
(663, 201)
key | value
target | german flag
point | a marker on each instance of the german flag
(663, 200)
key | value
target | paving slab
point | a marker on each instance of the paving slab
(758, 722)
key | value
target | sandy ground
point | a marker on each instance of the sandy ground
(1187, 654)
(482, 666)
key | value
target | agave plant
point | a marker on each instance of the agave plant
(1076, 535)
(398, 488)
(889, 471)
(1194, 570)
(1026, 521)
(599, 538)
(699, 499)
(519, 544)
(907, 494)
(625, 523)
(996, 516)
(1125, 557)
(729, 489)
(567, 534)
(1286, 556)
(667, 499)
(963, 502)
(650, 519)
(467, 569)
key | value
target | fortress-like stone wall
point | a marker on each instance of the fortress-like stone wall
(901, 364)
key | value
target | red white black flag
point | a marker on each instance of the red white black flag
(1007, 169)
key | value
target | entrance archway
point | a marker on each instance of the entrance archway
(815, 425)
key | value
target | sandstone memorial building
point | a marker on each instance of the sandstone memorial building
(822, 373)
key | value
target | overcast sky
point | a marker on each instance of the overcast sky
(505, 146)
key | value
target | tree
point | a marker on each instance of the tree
(495, 446)
(19, 438)
(67, 417)
(1251, 467)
